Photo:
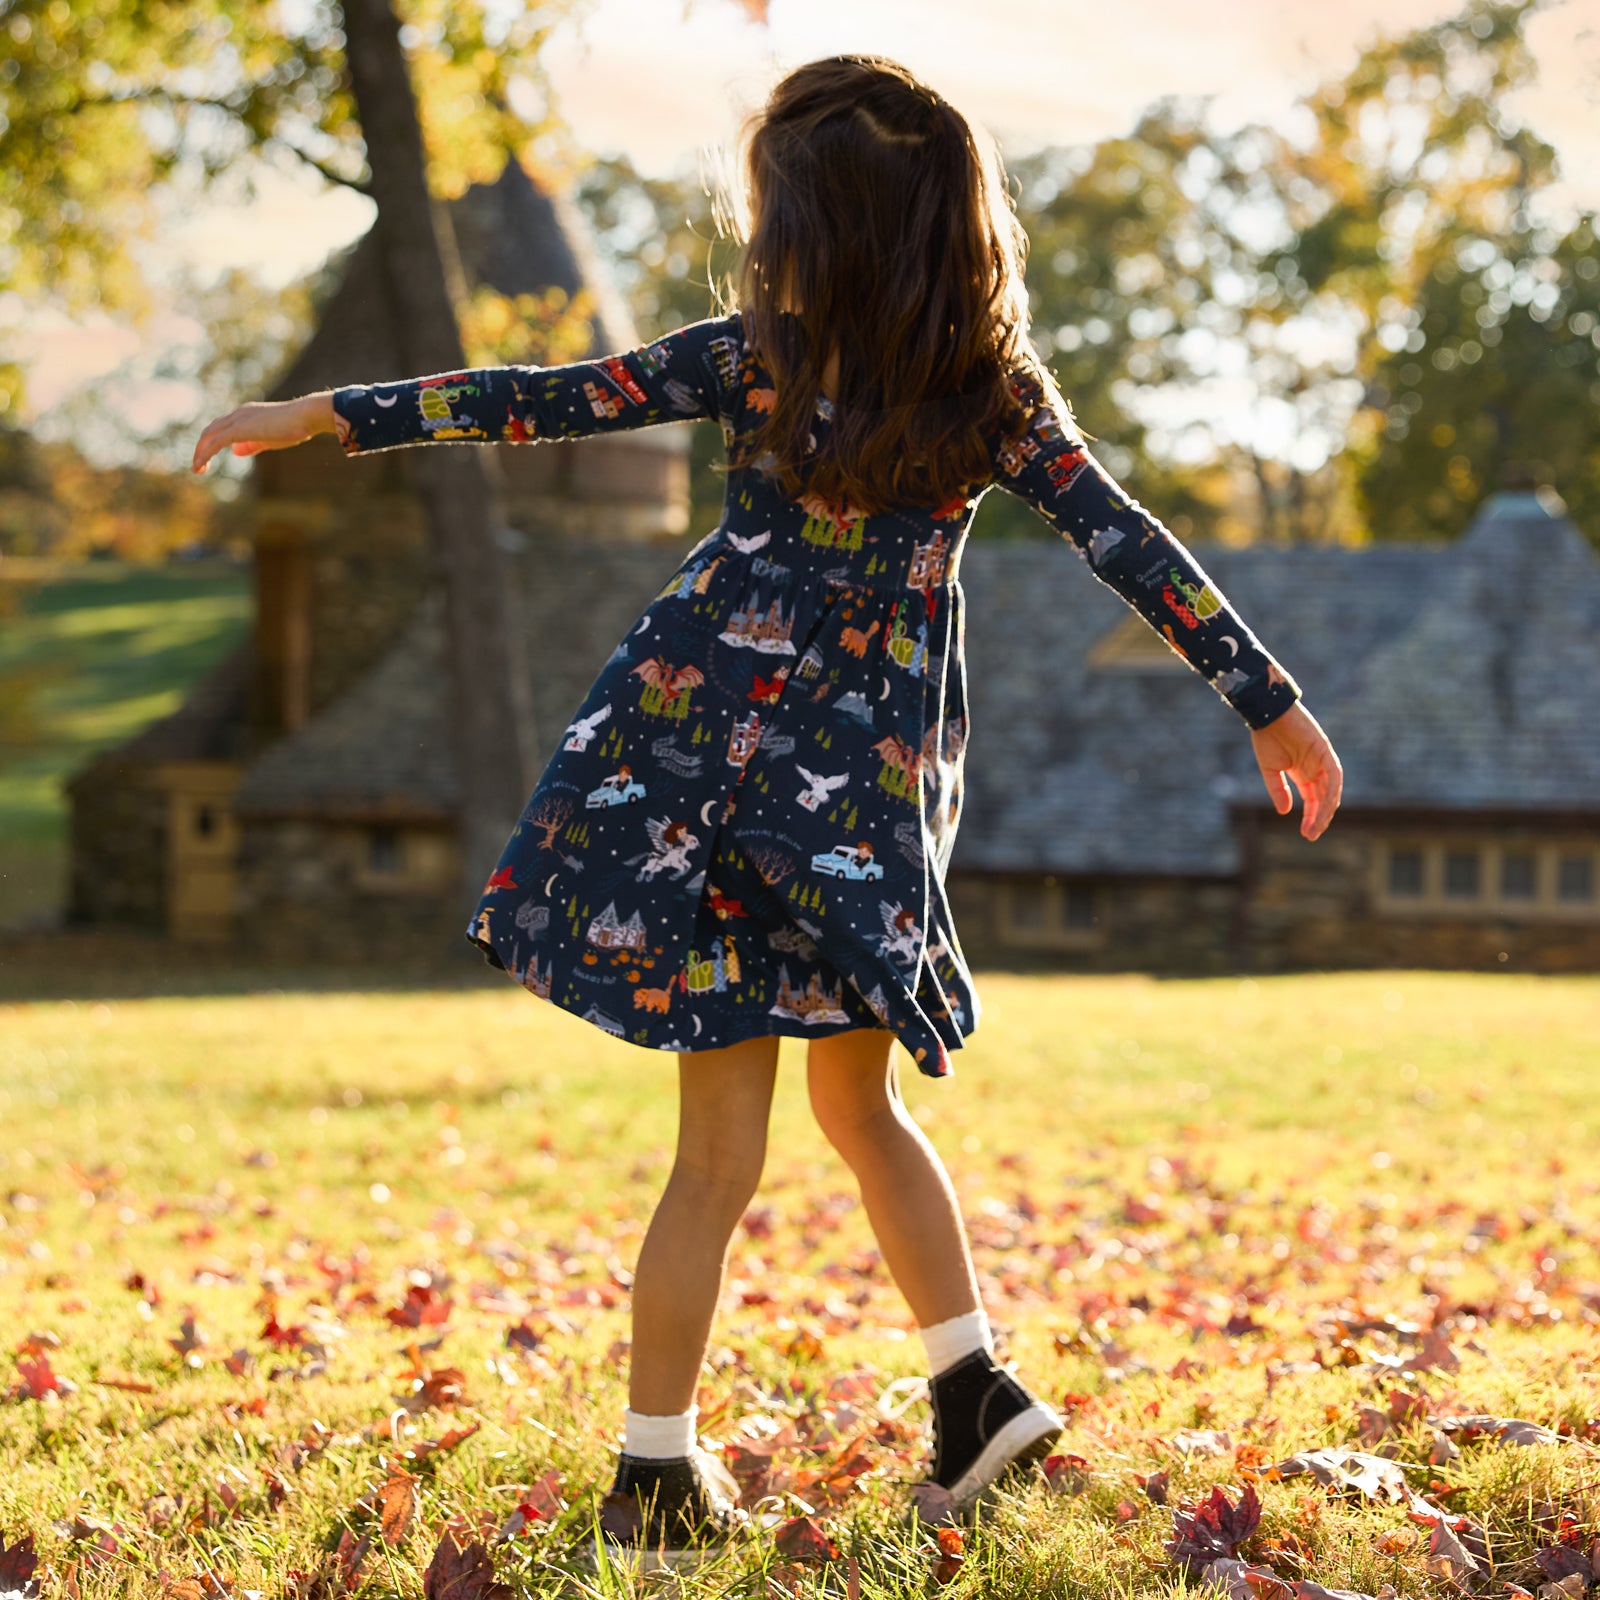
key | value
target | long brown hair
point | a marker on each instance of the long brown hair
(879, 223)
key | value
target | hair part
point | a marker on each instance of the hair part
(877, 221)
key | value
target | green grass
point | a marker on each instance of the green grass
(1322, 1165)
(89, 655)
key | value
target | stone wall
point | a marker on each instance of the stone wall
(1307, 905)
(1175, 925)
(324, 890)
(119, 846)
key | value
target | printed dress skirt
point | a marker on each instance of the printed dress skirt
(746, 826)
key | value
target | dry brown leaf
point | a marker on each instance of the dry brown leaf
(397, 1500)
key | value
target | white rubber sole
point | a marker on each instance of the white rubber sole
(1026, 1437)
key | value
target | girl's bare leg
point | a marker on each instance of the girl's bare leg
(725, 1097)
(855, 1094)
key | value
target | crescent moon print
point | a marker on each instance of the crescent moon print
(736, 725)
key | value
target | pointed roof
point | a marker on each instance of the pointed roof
(512, 235)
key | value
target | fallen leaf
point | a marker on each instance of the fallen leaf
(1368, 1475)
(397, 1500)
(1435, 1355)
(952, 1545)
(1214, 1527)
(1559, 1561)
(804, 1539)
(463, 1573)
(1201, 1442)
(18, 1562)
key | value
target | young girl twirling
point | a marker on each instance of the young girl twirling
(769, 823)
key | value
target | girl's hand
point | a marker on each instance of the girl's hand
(1294, 746)
(266, 425)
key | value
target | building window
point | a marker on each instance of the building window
(1519, 877)
(385, 858)
(1461, 874)
(1575, 879)
(1047, 914)
(1487, 877)
(1405, 872)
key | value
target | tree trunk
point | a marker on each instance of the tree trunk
(490, 694)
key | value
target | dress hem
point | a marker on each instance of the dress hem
(780, 1030)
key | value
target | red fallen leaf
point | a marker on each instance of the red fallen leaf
(523, 1337)
(463, 1573)
(280, 1337)
(932, 1503)
(141, 1285)
(540, 1502)
(37, 1342)
(1214, 1528)
(1558, 1561)
(241, 1363)
(424, 1448)
(951, 1554)
(1407, 1407)
(804, 1539)
(1127, 1511)
(423, 1307)
(18, 1563)
(1066, 1474)
(36, 1378)
(443, 1387)
(278, 1488)
(1155, 1485)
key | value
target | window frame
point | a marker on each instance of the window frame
(1543, 905)
(1054, 932)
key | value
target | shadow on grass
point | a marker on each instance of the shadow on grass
(102, 964)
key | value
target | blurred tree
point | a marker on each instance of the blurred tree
(102, 99)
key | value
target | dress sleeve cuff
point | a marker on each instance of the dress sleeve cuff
(346, 417)
(1266, 699)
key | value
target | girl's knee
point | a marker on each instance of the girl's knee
(723, 1174)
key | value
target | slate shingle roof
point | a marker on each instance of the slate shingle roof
(1460, 675)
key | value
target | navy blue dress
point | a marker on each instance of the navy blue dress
(746, 827)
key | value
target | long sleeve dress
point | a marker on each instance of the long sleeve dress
(746, 827)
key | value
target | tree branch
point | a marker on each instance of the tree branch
(233, 109)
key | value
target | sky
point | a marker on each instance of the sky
(665, 82)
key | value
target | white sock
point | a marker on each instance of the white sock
(658, 1438)
(947, 1342)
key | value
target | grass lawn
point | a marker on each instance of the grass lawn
(282, 1268)
(89, 654)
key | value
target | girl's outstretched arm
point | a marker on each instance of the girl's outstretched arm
(680, 376)
(1132, 552)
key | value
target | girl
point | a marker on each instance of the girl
(769, 822)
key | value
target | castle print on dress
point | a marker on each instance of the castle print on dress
(746, 826)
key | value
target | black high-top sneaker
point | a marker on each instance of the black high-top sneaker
(671, 1513)
(984, 1424)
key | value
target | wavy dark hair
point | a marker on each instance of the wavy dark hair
(877, 221)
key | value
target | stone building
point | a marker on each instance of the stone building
(304, 798)
(1114, 816)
